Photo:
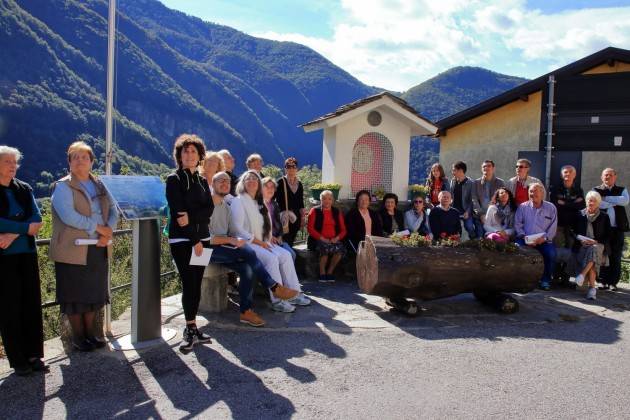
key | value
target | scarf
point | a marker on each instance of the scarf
(503, 212)
(590, 218)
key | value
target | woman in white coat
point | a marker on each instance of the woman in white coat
(250, 221)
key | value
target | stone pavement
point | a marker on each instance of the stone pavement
(348, 356)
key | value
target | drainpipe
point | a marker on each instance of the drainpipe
(550, 114)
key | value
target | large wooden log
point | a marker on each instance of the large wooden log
(389, 270)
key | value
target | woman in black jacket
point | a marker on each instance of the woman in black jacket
(20, 297)
(392, 218)
(591, 246)
(290, 198)
(190, 205)
(361, 221)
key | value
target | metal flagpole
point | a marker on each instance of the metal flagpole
(109, 127)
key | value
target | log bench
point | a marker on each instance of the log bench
(395, 272)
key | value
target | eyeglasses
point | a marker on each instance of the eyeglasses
(521, 166)
(290, 167)
(417, 201)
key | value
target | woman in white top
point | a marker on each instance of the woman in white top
(250, 221)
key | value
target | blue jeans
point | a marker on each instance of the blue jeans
(479, 227)
(470, 227)
(548, 251)
(244, 261)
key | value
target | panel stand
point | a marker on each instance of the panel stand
(146, 310)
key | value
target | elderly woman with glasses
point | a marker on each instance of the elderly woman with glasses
(416, 218)
(82, 209)
(20, 296)
(250, 221)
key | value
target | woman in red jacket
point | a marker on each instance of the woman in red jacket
(326, 230)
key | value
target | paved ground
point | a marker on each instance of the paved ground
(347, 356)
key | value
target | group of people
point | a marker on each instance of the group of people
(589, 230)
(251, 235)
(250, 223)
(81, 210)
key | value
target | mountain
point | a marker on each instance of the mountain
(446, 94)
(175, 74)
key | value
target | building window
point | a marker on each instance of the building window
(372, 163)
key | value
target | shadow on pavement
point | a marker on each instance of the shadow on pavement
(556, 315)
(22, 397)
(269, 348)
(245, 394)
(84, 389)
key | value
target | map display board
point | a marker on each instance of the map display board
(137, 197)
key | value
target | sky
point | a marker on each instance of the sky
(397, 44)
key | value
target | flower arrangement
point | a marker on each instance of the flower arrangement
(416, 240)
(379, 192)
(316, 189)
(326, 186)
(411, 241)
(490, 245)
(448, 240)
(417, 189)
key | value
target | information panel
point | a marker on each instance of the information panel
(137, 197)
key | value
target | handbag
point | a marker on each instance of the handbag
(285, 220)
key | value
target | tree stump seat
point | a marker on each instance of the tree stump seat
(392, 271)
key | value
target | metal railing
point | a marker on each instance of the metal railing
(119, 232)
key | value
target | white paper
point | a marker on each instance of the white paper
(584, 238)
(80, 242)
(530, 239)
(203, 259)
(402, 233)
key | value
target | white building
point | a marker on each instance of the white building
(366, 144)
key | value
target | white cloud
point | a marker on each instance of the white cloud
(396, 44)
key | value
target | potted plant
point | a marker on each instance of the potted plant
(317, 189)
(379, 193)
(416, 189)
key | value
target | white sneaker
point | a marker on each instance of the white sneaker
(592, 293)
(578, 280)
(282, 306)
(300, 300)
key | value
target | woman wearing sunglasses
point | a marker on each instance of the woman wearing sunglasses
(416, 219)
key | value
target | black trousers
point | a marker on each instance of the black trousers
(190, 276)
(293, 230)
(21, 308)
(611, 274)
